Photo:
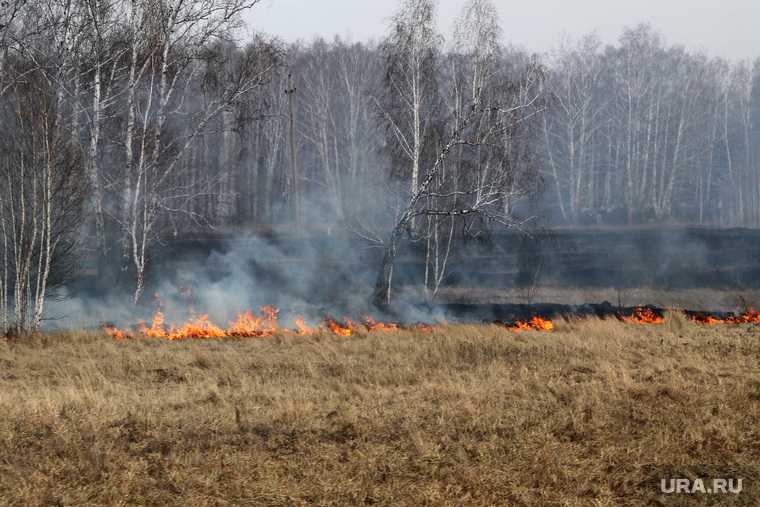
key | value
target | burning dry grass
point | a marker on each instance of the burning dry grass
(266, 325)
(594, 413)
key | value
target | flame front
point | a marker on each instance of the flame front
(642, 315)
(341, 330)
(748, 317)
(542, 324)
(302, 328)
(156, 329)
(198, 327)
(373, 325)
(250, 325)
(534, 324)
(115, 332)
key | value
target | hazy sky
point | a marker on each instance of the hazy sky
(729, 28)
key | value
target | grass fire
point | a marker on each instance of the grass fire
(266, 324)
(246, 261)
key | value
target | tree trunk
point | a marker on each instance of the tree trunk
(94, 174)
(382, 295)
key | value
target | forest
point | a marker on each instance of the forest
(126, 123)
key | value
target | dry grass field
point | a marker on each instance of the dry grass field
(594, 413)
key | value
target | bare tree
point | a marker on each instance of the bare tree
(104, 65)
(338, 123)
(477, 35)
(168, 43)
(572, 128)
(41, 196)
(469, 78)
(479, 129)
(634, 133)
(319, 126)
(411, 97)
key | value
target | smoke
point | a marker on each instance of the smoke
(303, 276)
(333, 273)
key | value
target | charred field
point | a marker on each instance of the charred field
(593, 413)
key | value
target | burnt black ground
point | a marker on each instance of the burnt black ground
(335, 273)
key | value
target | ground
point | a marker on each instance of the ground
(595, 413)
(699, 299)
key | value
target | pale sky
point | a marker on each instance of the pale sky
(727, 28)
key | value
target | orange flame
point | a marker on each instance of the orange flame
(156, 329)
(534, 324)
(748, 317)
(341, 330)
(115, 332)
(373, 325)
(198, 327)
(249, 325)
(302, 328)
(245, 325)
(541, 324)
(706, 319)
(643, 315)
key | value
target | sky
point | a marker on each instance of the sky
(726, 28)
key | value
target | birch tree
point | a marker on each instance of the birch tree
(411, 95)
(572, 127)
(174, 36)
(477, 35)
(337, 121)
(480, 129)
(43, 187)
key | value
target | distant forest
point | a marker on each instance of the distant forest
(128, 122)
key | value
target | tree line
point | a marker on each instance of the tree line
(642, 131)
(127, 122)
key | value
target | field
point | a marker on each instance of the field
(595, 413)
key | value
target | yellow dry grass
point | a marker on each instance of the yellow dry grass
(592, 414)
